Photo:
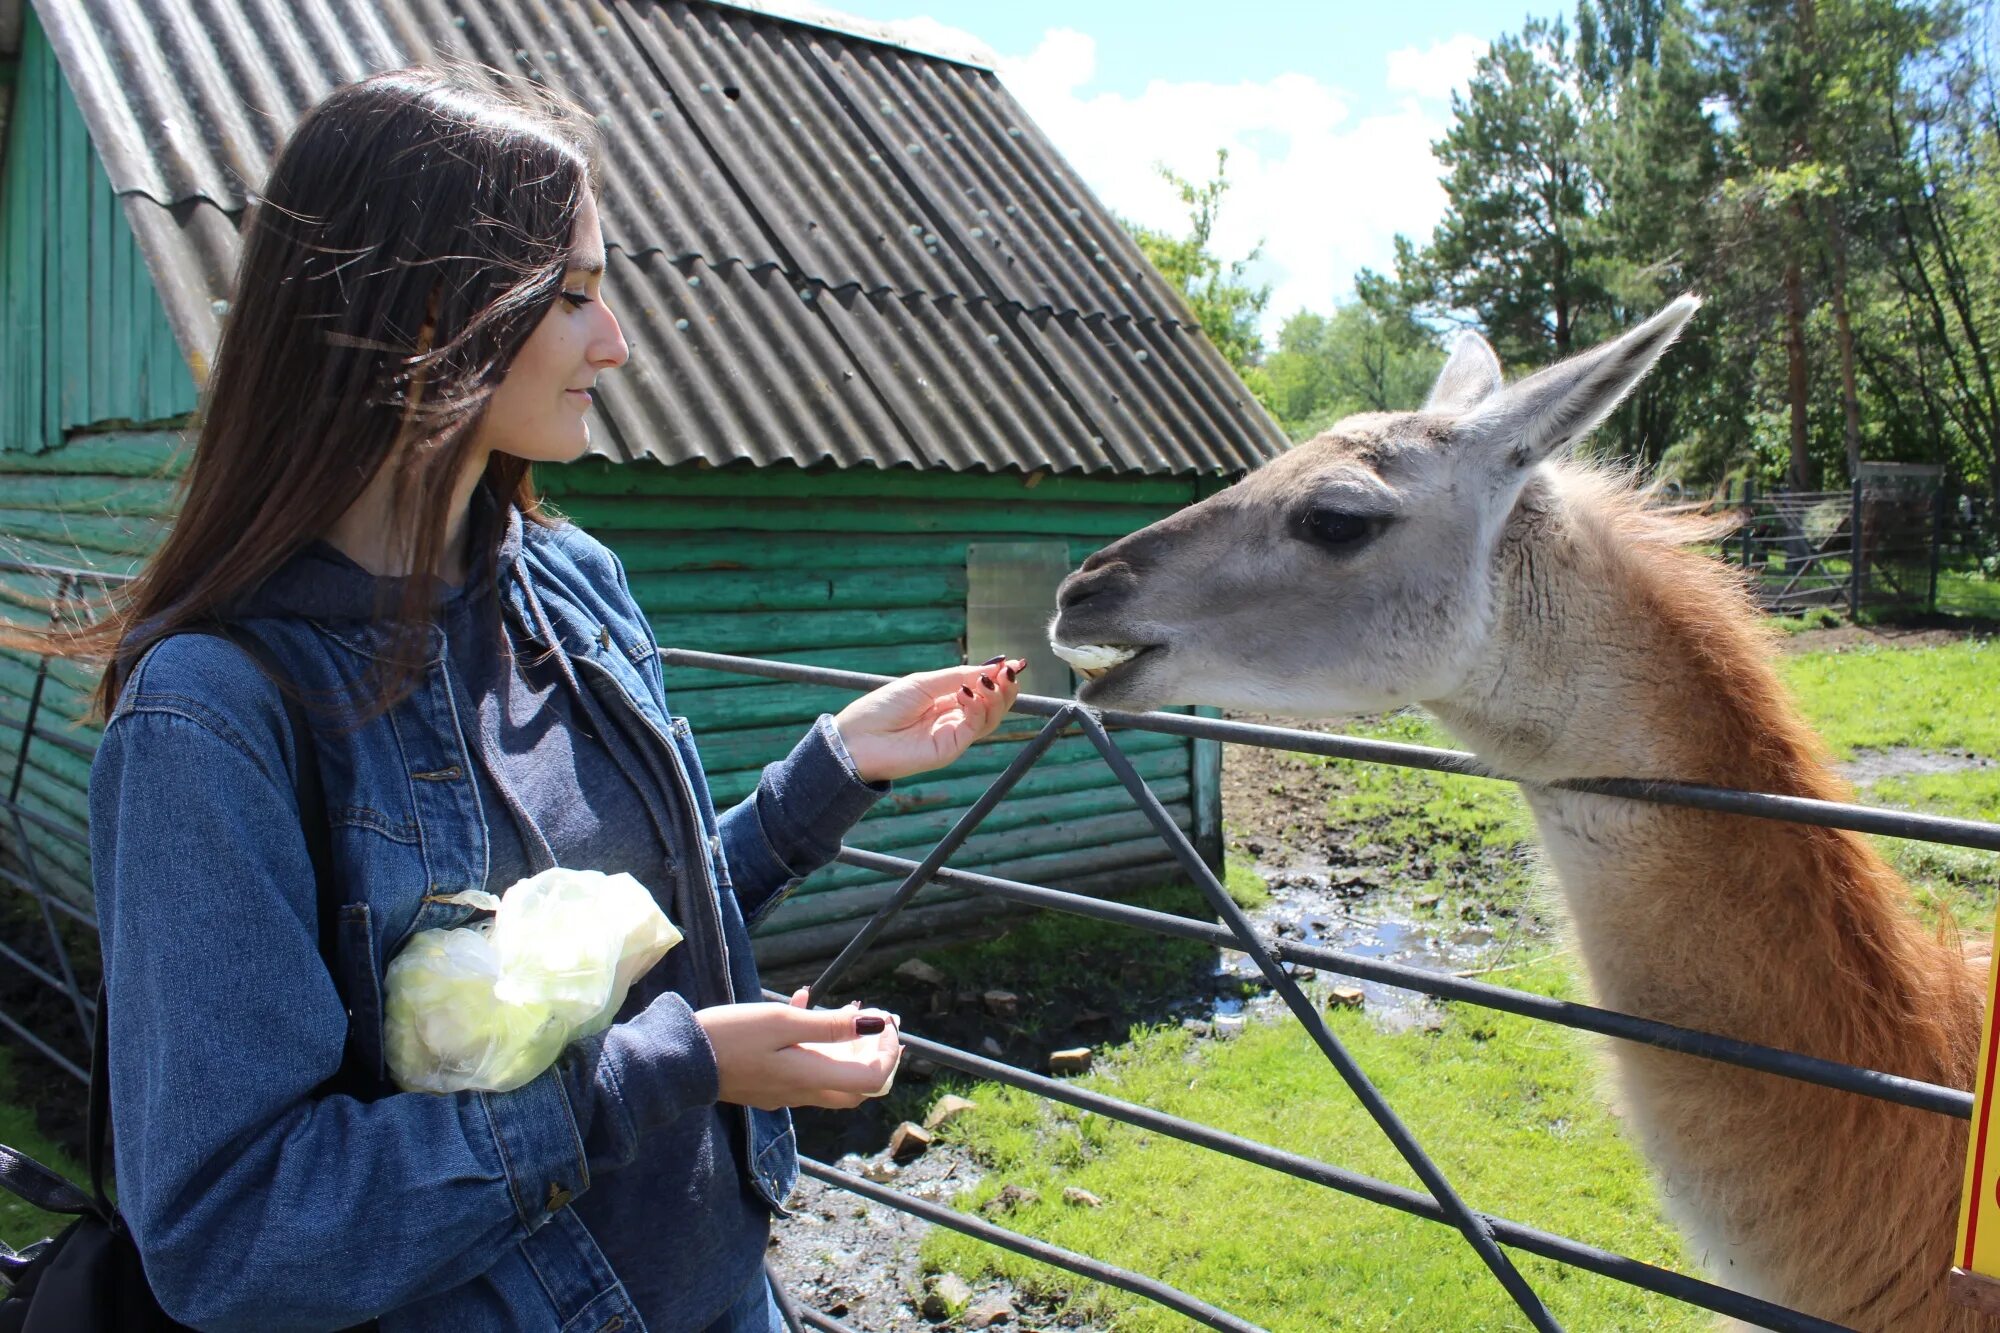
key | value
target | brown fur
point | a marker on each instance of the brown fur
(1782, 934)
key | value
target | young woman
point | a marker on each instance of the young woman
(418, 318)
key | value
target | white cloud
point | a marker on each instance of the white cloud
(1325, 190)
(1437, 71)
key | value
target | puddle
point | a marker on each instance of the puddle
(1341, 908)
(1901, 761)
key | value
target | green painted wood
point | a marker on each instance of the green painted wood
(72, 493)
(116, 534)
(728, 755)
(843, 892)
(130, 453)
(674, 552)
(753, 634)
(894, 660)
(83, 337)
(801, 590)
(1205, 765)
(600, 477)
(800, 519)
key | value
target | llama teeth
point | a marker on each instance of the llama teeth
(1092, 660)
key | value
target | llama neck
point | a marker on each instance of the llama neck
(1618, 655)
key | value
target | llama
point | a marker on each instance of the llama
(1451, 557)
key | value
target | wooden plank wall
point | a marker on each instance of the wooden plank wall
(858, 570)
(99, 502)
(83, 338)
(865, 570)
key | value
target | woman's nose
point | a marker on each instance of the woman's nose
(608, 349)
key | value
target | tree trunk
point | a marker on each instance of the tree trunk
(1802, 477)
(1850, 397)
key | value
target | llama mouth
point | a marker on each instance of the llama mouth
(1095, 661)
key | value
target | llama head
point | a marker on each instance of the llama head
(1354, 572)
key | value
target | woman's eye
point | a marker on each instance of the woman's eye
(577, 299)
(1334, 527)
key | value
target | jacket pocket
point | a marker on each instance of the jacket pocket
(360, 981)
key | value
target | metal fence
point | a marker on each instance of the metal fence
(1491, 1237)
(1889, 544)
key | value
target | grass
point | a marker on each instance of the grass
(1943, 697)
(21, 1224)
(1507, 1106)
(1511, 1109)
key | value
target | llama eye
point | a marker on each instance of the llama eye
(1334, 527)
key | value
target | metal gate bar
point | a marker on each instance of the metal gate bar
(1475, 1230)
(1723, 800)
(1239, 935)
(1081, 1264)
(1548, 1245)
(1563, 1013)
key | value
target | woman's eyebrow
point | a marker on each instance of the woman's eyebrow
(592, 264)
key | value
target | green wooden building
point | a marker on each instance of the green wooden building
(894, 371)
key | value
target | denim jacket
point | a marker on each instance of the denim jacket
(257, 1205)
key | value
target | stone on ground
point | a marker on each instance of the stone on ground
(909, 1140)
(917, 970)
(949, 1108)
(1075, 1061)
(948, 1295)
(995, 1309)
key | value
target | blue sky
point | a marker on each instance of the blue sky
(1328, 111)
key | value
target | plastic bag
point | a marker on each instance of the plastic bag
(490, 1005)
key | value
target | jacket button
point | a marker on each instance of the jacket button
(604, 636)
(558, 1196)
(613, 1324)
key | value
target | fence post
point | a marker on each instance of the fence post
(1855, 554)
(1938, 511)
(1750, 519)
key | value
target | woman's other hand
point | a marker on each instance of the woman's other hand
(926, 720)
(773, 1055)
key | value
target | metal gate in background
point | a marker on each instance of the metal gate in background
(1491, 1237)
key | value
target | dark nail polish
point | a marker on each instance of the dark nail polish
(1012, 674)
(869, 1024)
(966, 690)
(994, 661)
(986, 680)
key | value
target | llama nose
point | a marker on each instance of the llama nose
(1092, 580)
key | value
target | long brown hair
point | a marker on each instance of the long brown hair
(414, 230)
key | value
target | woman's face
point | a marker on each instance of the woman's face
(541, 411)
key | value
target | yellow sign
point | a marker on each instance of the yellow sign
(1979, 1208)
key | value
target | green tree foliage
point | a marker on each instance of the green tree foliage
(1514, 248)
(1223, 302)
(1361, 358)
(1825, 172)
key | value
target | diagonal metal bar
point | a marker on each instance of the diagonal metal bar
(1475, 1229)
(1897, 1088)
(29, 861)
(1548, 1245)
(1082, 1264)
(951, 842)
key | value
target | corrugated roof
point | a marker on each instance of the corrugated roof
(825, 247)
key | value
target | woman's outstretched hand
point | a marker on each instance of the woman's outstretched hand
(773, 1055)
(925, 721)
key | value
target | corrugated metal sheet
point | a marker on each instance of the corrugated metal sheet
(958, 297)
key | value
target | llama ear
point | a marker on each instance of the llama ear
(1469, 377)
(1554, 408)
